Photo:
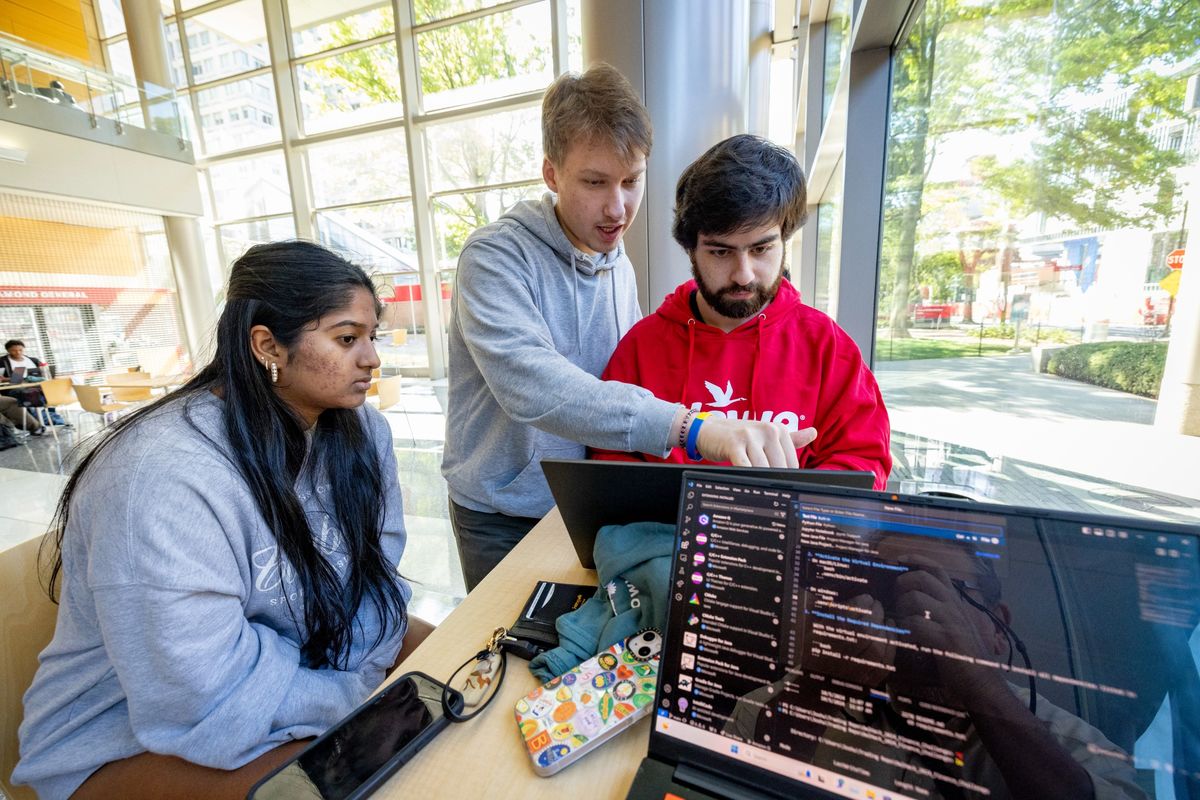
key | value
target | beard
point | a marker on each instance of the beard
(718, 299)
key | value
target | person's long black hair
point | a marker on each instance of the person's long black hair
(288, 287)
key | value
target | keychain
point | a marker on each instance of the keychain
(482, 682)
(487, 672)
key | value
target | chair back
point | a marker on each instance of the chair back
(389, 391)
(89, 398)
(27, 619)
(58, 391)
(129, 387)
(131, 394)
(166, 360)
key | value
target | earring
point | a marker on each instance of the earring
(274, 372)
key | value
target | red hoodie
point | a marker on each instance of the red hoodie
(792, 365)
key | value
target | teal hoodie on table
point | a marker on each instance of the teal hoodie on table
(534, 323)
(633, 563)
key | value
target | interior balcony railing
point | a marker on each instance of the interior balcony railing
(52, 91)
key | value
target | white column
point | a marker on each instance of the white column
(692, 71)
(197, 299)
(1179, 397)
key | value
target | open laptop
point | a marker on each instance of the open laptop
(821, 644)
(18, 375)
(592, 494)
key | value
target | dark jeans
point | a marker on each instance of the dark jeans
(485, 539)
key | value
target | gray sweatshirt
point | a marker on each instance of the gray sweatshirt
(534, 323)
(174, 634)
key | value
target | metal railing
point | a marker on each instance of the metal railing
(29, 74)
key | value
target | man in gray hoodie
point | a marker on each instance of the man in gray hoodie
(542, 297)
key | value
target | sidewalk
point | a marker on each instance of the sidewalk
(997, 429)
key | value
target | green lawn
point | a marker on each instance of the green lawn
(910, 349)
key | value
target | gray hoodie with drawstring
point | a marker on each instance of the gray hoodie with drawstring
(534, 323)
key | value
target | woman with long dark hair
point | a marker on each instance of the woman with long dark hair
(226, 558)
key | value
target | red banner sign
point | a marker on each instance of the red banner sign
(78, 296)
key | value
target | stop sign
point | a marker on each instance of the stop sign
(1175, 259)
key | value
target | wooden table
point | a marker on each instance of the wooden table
(486, 757)
(138, 382)
(4, 387)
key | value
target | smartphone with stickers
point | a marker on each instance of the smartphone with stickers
(573, 714)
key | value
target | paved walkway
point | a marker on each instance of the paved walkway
(995, 428)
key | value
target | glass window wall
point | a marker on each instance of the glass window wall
(1036, 160)
(485, 58)
(359, 169)
(481, 151)
(350, 89)
(250, 187)
(319, 25)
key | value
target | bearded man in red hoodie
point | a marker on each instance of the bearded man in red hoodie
(736, 341)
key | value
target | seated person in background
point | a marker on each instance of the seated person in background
(16, 366)
(15, 414)
(15, 358)
(736, 341)
(59, 93)
(228, 554)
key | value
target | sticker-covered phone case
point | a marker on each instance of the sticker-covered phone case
(577, 711)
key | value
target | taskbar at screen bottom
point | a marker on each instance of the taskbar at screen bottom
(789, 768)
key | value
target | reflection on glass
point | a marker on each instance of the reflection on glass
(227, 41)
(829, 244)
(379, 237)
(433, 10)
(250, 187)
(456, 216)
(120, 60)
(350, 89)
(574, 36)
(175, 55)
(837, 41)
(1032, 197)
(318, 26)
(112, 19)
(238, 114)
(402, 339)
(500, 148)
(237, 238)
(485, 58)
(359, 169)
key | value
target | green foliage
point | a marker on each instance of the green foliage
(1134, 367)
(371, 70)
(940, 272)
(1029, 68)
(891, 349)
(469, 52)
(1054, 336)
(1002, 331)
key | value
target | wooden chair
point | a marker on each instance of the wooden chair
(130, 387)
(388, 390)
(60, 395)
(91, 402)
(27, 619)
(389, 395)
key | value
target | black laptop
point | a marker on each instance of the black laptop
(837, 643)
(592, 494)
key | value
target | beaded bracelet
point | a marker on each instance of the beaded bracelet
(693, 435)
(683, 428)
